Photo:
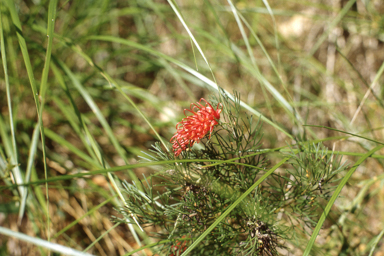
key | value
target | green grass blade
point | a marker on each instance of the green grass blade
(73, 115)
(43, 88)
(24, 50)
(28, 65)
(373, 84)
(355, 135)
(133, 166)
(178, 79)
(232, 206)
(112, 83)
(109, 131)
(296, 113)
(104, 171)
(82, 217)
(6, 143)
(100, 237)
(178, 14)
(31, 157)
(334, 197)
(50, 35)
(87, 97)
(342, 153)
(12, 54)
(188, 69)
(331, 26)
(256, 70)
(13, 152)
(377, 240)
(380, 101)
(43, 243)
(274, 31)
(63, 142)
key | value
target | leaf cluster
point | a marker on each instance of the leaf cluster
(193, 194)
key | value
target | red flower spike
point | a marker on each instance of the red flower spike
(179, 248)
(193, 128)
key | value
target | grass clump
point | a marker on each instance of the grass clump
(88, 86)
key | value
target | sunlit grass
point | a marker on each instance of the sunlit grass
(113, 77)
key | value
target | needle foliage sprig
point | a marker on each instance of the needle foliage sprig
(186, 198)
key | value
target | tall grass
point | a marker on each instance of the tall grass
(88, 86)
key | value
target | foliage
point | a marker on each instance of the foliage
(87, 86)
(194, 193)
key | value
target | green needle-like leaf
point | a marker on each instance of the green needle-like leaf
(232, 206)
(334, 197)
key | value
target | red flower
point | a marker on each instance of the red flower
(178, 248)
(193, 128)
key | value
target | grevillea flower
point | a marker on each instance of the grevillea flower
(193, 128)
(178, 248)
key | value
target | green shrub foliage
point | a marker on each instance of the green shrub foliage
(193, 194)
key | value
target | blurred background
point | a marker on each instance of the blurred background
(317, 62)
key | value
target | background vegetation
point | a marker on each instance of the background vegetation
(88, 85)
